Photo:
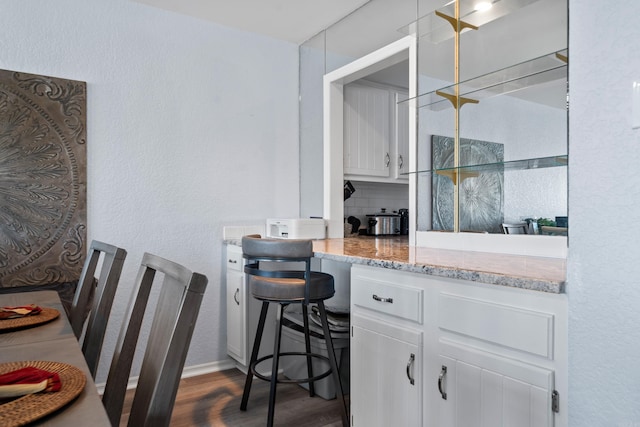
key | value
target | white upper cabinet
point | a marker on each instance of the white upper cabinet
(366, 132)
(376, 138)
(401, 134)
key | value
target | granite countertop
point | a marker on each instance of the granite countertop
(526, 272)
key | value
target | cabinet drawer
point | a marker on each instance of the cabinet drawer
(509, 326)
(234, 258)
(389, 298)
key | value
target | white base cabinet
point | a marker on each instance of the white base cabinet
(236, 306)
(386, 379)
(243, 312)
(485, 390)
(386, 351)
(486, 355)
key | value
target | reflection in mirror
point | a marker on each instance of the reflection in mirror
(367, 29)
(374, 25)
(312, 68)
(529, 123)
(518, 111)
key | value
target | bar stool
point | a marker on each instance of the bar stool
(286, 287)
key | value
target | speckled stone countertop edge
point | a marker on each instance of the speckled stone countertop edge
(446, 272)
(452, 273)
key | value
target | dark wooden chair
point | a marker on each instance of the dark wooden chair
(286, 286)
(166, 349)
(93, 299)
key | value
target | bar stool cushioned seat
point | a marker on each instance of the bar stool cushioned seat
(274, 289)
(288, 286)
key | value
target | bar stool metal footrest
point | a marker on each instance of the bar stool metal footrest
(325, 374)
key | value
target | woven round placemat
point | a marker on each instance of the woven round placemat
(46, 315)
(31, 407)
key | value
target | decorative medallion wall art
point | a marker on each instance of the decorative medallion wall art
(42, 179)
(481, 198)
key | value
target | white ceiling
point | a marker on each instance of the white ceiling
(297, 21)
(292, 20)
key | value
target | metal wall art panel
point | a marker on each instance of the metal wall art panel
(43, 210)
(481, 197)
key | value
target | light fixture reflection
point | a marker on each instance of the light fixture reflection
(436, 30)
(482, 6)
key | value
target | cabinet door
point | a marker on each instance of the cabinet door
(236, 306)
(385, 375)
(401, 136)
(366, 131)
(485, 390)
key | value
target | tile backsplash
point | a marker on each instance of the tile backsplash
(372, 197)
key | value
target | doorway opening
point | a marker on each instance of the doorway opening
(373, 65)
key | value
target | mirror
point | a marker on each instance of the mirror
(535, 127)
(370, 27)
(510, 118)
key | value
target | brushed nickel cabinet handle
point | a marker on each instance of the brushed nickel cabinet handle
(377, 298)
(235, 296)
(400, 162)
(412, 359)
(388, 160)
(443, 372)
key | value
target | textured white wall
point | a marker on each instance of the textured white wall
(191, 126)
(604, 201)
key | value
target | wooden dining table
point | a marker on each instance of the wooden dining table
(53, 341)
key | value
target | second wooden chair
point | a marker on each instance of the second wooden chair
(172, 326)
(95, 298)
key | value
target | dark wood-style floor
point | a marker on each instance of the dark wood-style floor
(214, 400)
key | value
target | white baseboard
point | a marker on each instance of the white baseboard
(187, 372)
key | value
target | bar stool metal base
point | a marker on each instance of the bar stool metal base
(273, 379)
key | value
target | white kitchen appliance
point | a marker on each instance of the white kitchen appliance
(297, 228)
